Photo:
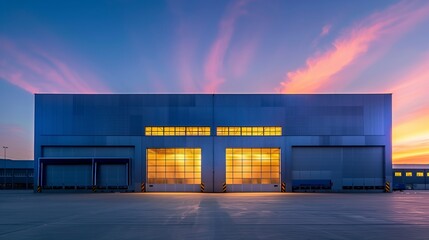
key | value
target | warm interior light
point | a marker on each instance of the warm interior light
(173, 165)
(252, 165)
(249, 131)
(177, 131)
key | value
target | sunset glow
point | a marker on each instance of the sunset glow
(216, 47)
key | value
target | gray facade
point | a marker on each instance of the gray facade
(332, 142)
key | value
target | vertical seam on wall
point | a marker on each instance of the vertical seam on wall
(213, 150)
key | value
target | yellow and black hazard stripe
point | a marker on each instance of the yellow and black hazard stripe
(94, 188)
(224, 187)
(143, 187)
(387, 187)
(39, 189)
(202, 187)
(283, 188)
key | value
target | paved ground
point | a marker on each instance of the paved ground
(24, 215)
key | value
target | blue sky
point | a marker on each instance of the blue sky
(244, 46)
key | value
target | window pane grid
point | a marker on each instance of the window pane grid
(249, 131)
(252, 165)
(173, 165)
(177, 131)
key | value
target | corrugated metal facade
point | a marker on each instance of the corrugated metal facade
(345, 138)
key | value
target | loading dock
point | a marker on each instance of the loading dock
(83, 173)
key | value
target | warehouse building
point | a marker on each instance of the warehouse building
(411, 176)
(16, 174)
(213, 142)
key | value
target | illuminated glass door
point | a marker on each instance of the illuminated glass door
(253, 166)
(173, 165)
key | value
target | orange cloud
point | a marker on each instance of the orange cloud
(354, 42)
(34, 70)
(411, 114)
(410, 138)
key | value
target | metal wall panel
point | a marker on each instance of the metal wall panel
(374, 115)
(125, 114)
(78, 151)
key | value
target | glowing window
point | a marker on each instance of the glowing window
(173, 165)
(257, 131)
(252, 165)
(427, 174)
(169, 131)
(177, 131)
(409, 174)
(180, 131)
(419, 174)
(398, 174)
(222, 131)
(246, 131)
(234, 131)
(249, 131)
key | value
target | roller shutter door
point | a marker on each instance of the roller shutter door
(337, 168)
(112, 175)
(68, 175)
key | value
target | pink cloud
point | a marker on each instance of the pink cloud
(321, 68)
(186, 46)
(213, 68)
(16, 79)
(325, 30)
(35, 70)
(186, 71)
(241, 57)
(410, 89)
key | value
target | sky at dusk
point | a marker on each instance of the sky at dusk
(259, 46)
